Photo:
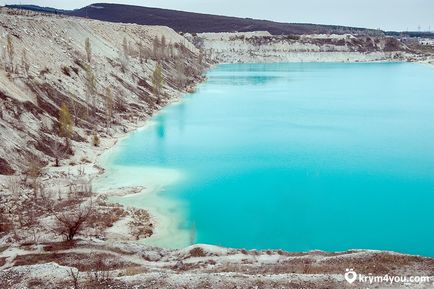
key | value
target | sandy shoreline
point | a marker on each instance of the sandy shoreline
(125, 185)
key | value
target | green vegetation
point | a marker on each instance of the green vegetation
(65, 123)
(157, 82)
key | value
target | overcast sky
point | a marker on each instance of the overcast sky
(384, 14)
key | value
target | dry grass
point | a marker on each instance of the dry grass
(60, 246)
(83, 262)
(105, 217)
(131, 271)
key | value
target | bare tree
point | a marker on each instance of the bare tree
(10, 51)
(25, 62)
(58, 152)
(70, 223)
(99, 277)
(180, 72)
(124, 55)
(88, 48)
(201, 57)
(163, 46)
(140, 47)
(125, 49)
(170, 51)
(156, 48)
(90, 88)
(74, 276)
(109, 105)
(33, 171)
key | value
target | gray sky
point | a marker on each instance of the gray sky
(384, 14)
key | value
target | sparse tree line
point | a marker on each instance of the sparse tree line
(161, 52)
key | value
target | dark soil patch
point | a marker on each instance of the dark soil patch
(5, 168)
(2, 261)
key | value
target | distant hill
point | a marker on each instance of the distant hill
(37, 8)
(182, 21)
(196, 22)
(192, 22)
(421, 34)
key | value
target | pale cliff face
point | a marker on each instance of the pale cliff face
(55, 50)
(263, 47)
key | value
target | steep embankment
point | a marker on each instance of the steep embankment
(264, 47)
(46, 65)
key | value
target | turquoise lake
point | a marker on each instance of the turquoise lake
(297, 156)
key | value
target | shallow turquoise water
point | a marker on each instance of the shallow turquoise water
(300, 156)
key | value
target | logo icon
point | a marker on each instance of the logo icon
(350, 276)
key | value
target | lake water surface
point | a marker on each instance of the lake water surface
(297, 156)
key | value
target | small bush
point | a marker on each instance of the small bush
(197, 252)
(95, 140)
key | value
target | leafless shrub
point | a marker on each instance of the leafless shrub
(74, 278)
(59, 151)
(88, 48)
(25, 64)
(72, 221)
(10, 51)
(99, 276)
(140, 51)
